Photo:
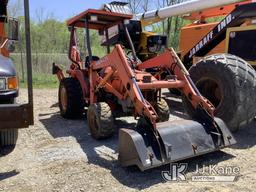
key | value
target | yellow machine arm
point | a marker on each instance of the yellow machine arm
(154, 16)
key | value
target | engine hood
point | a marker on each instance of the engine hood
(7, 67)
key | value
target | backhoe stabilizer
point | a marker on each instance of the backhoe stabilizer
(179, 140)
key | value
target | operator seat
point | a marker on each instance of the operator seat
(87, 62)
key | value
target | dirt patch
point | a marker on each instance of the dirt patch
(59, 155)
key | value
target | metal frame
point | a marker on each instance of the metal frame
(88, 42)
(21, 115)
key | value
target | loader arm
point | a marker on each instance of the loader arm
(152, 143)
(169, 61)
(119, 65)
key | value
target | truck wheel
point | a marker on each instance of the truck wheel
(8, 101)
(162, 110)
(100, 120)
(71, 101)
(229, 83)
(8, 137)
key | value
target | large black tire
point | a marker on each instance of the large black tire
(229, 83)
(8, 137)
(162, 110)
(8, 101)
(100, 120)
(71, 102)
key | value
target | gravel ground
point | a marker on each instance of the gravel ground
(59, 155)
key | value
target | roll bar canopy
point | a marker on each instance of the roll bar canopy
(97, 19)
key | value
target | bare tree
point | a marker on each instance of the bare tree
(135, 5)
(15, 8)
(145, 5)
(171, 26)
(166, 24)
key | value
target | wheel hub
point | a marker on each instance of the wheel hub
(211, 89)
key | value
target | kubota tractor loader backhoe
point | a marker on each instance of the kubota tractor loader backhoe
(118, 85)
(225, 79)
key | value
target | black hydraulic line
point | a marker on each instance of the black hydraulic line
(130, 43)
(107, 39)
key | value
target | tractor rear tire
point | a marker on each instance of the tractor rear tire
(100, 120)
(162, 110)
(8, 137)
(71, 101)
(229, 83)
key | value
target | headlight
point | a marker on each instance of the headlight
(12, 83)
(2, 84)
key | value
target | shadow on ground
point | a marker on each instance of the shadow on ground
(176, 108)
(6, 150)
(131, 177)
(7, 175)
(245, 137)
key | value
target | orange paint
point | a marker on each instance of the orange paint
(115, 75)
(3, 51)
(192, 34)
(214, 12)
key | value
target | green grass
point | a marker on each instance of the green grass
(41, 81)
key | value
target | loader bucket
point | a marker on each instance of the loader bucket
(178, 140)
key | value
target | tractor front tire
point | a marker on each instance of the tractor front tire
(71, 101)
(229, 83)
(162, 110)
(100, 120)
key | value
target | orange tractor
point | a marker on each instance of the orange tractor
(223, 76)
(119, 85)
